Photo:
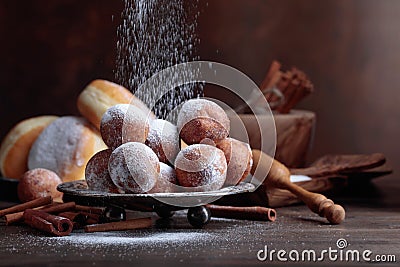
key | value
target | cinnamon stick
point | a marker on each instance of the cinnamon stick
(27, 205)
(77, 218)
(60, 207)
(289, 93)
(281, 85)
(255, 213)
(120, 226)
(274, 67)
(18, 217)
(274, 80)
(296, 97)
(91, 217)
(88, 209)
(55, 225)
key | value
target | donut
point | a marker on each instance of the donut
(166, 181)
(38, 183)
(134, 167)
(123, 123)
(202, 167)
(100, 95)
(14, 149)
(163, 139)
(239, 159)
(65, 146)
(97, 175)
(201, 119)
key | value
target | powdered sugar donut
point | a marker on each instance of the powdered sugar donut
(163, 138)
(97, 175)
(123, 123)
(166, 181)
(202, 167)
(199, 119)
(65, 146)
(239, 159)
(38, 183)
(134, 167)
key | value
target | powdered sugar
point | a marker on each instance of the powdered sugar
(116, 239)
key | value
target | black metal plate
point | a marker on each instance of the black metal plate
(78, 191)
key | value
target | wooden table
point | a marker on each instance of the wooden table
(372, 223)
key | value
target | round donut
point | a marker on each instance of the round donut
(100, 95)
(123, 123)
(134, 167)
(202, 167)
(38, 183)
(65, 146)
(15, 146)
(97, 175)
(166, 181)
(199, 119)
(163, 138)
(239, 159)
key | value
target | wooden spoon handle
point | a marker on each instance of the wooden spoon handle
(319, 204)
(278, 176)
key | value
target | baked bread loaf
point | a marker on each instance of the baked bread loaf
(201, 119)
(65, 146)
(100, 95)
(201, 167)
(15, 146)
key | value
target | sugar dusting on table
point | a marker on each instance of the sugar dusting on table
(118, 239)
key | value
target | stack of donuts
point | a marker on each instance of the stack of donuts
(119, 146)
(144, 155)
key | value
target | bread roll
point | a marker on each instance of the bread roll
(100, 95)
(65, 147)
(15, 147)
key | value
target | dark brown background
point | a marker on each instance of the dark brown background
(50, 50)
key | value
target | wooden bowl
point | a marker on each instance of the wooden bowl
(294, 135)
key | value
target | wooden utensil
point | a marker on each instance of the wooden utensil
(278, 176)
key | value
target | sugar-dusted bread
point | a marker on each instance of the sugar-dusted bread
(100, 95)
(65, 147)
(16, 145)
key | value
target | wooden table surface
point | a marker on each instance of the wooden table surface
(372, 223)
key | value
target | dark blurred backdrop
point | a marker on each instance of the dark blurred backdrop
(50, 50)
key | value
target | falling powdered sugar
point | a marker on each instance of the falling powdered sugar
(154, 35)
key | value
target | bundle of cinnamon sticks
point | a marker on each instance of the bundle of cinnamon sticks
(59, 219)
(293, 84)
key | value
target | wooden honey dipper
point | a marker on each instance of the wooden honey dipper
(279, 177)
